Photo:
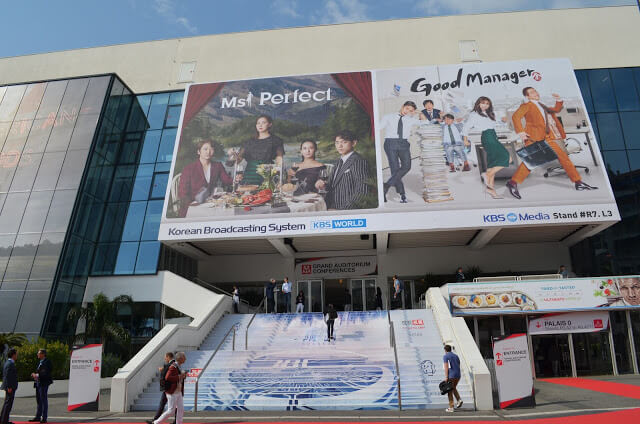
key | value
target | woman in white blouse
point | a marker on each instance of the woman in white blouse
(482, 118)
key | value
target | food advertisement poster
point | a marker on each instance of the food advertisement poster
(439, 147)
(544, 296)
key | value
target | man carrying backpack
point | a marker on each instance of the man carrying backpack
(331, 317)
(174, 388)
(168, 360)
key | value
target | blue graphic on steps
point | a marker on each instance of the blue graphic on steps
(290, 365)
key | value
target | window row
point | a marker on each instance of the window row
(610, 90)
(29, 256)
(22, 311)
(126, 258)
(34, 212)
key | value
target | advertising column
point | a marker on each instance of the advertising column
(513, 371)
(84, 378)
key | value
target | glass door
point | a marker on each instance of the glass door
(405, 300)
(551, 355)
(312, 290)
(363, 294)
(593, 353)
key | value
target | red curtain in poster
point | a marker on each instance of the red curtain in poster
(199, 96)
(358, 85)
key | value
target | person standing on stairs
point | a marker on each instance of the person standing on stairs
(300, 302)
(168, 360)
(452, 373)
(286, 290)
(330, 318)
(269, 289)
(236, 299)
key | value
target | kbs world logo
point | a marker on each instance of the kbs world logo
(307, 269)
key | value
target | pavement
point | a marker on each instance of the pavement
(556, 404)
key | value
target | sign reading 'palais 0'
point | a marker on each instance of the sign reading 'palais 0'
(353, 266)
(408, 149)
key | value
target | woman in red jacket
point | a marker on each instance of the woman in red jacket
(200, 177)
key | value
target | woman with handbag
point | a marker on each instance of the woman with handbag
(483, 119)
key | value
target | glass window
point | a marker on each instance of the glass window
(514, 324)
(26, 172)
(165, 152)
(594, 126)
(610, 131)
(61, 132)
(163, 167)
(592, 353)
(46, 260)
(10, 301)
(72, 169)
(583, 82)
(60, 211)
(176, 98)
(32, 311)
(130, 149)
(621, 341)
(12, 212)
(60, 308)
(158, 110)
(36, 212)
(30, 101)
(24, 250)
(625, 89)
(150, 147)
(84, 131)
(631, 129)
(6, 244)
(159, 187)
(4, 132)
(11, 101)
(142, 184)
(126, 261)
(104, 261)
(7, 171)
(147, 262)
(144, 101)
(122, 184)
(39, 135)
(73, 96)
(634, 159)
(112, 224)
(95, 95)
(635, 328)
(39, 285)
(51, 100)
(173, 116)
(49, 171)
(134, 222)
(152, 220)
(17, 137)
(616, 161)
(602, 91)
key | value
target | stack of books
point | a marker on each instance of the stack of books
(434, 168)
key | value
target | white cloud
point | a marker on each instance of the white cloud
(341, 11)
(167, 9)
(287, 8)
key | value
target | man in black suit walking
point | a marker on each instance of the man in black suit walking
(42, 380)
(348, 184)
(9, 385)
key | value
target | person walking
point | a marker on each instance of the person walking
(347, 300)
(9, 384)
(168, 360)
(300, 302)
(236, 299)
(286, 290)
(269, 290)
(174, 389)
(398, 288)
(42, 380)
(378, 299)
(331, 317)
(452, 373)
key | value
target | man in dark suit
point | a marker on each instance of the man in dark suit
(168, 360)
(429, 113)
(9, 385)
(348, 184)
(42, 380)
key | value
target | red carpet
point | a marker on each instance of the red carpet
(618, 389)
(628, 416)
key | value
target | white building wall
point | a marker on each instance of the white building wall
(591, 38)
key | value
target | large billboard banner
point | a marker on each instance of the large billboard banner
(439, 147)
(544, 295)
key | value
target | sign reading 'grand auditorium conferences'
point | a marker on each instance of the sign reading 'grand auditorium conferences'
(349, 266)
(386, 150)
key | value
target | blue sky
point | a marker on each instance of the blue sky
(36, 26)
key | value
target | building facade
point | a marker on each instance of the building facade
(87, 142)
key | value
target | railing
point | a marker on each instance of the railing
(517, 278)
(392, 332)
(204, 368)
(218, 290)
(246, 331)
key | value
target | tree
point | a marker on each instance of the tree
(9, 340)
(100, 320)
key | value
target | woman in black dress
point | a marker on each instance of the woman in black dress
(264, 148)
(307, 171)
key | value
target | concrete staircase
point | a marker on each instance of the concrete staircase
(290, 364)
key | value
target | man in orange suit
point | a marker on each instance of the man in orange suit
(541, 124)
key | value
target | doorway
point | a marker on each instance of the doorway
(363, 294)
(551, 355)
(312, 290)
(593, 353)
(405, 301)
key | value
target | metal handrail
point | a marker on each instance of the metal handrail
(395, 354)
(222, 291)
(246, 331)
(233, 328)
